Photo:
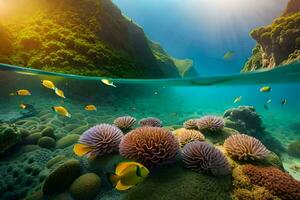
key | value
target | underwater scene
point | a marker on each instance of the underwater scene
(149, 100)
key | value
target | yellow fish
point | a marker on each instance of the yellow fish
(22, 92)
(48, 84)
(228, 55)
(127, 175)
(59, 93)
(61, 110)
(238, 99)
(265, 89)
(108, 82)
(82, 149)
(90, 107)
(23, 106)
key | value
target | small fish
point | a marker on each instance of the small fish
(238, 99)
(26, 106)
(284, 102)
(156, 93)
(61, 110)
(108, 82)
(22, 92)
(269, 101)
(265, 89)
(82, 149)
(266, 107)
(48, 84)
(228, 55)
(127, 175)
(23, 106)
(59, 93)
(90, 107)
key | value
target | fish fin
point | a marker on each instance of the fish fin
(138, 171)
(113, 85)
(122, 166)
(53, 108)
(113, 178)
(122, 187)
(81, 149)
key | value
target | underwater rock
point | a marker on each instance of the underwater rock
(36, 196)
(86, 187)
(48, 131)
(67, 141)
(46, 142)
(32, 138)
(294, 149)
(60, 179)
(220, 136)
(61, 196)
(71, 127)
(55, 160)
(272, 143)
(273, 160)
(162, 149)
(28, 148)
(9, 136)
(79, 130)
(175, 182)
(244, 119)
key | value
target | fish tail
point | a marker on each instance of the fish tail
(113, 178)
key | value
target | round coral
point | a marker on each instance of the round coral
(190, 124)
(245, 147)
(125, 122)
(150, 121)
(103, 138)
(210, 123)
(151, 146)
(188, 135)
(280, 184)
(202, 156)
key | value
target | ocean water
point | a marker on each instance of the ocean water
(25, 166)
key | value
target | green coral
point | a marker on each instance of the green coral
(9, 136)
(176, 183)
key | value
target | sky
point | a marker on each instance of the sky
(204, 30)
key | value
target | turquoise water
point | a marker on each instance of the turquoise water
(173, 101)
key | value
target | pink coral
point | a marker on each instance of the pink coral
(245, 147)
(125, 122)
(210, 123)
(202, 156)
(151, 146)
(150, 121)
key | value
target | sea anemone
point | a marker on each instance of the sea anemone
(210, 123)
(150, 121)
(151, 146)
(202, 156)
(125, 122)
(103, 138)
(190, 124)
(186, 136)
(245, 147)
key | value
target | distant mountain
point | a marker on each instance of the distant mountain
(84, 37)
(277, 43)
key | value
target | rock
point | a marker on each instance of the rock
(294, 149)
(48, 131)
(67, 141)
(86, 187)
(9, 136)
(61, 196)
(36, 196)
(79, 130)
(220, 137)
(28, 148)
(46, 142)
(24, 132)
(60, 179)
(55, 160)
(33, 138)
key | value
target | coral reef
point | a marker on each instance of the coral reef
(86, 187)
(202, 156)
(190, 124)
(294, 149)
(150, 121)
(67, 140)
(210, 123)
(277, 182)
(152, 146)
(46, 142)
(185, 136)
(244, 147)
(125, 123)
(9, 136)
(104, 139)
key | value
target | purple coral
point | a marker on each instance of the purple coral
(190, 124)
(103, 138)
(245, 147)
(151, 146)
(210, 123)
(202, 156)
(125, 122)
(150, 121)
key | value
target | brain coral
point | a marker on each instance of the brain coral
(204, 156)
(150, 121)
(125, 122)
(190, 124)
(188, 135)
(245, 147)
(151, 146)
(210, 123)
(104, 139)
(277, 182)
